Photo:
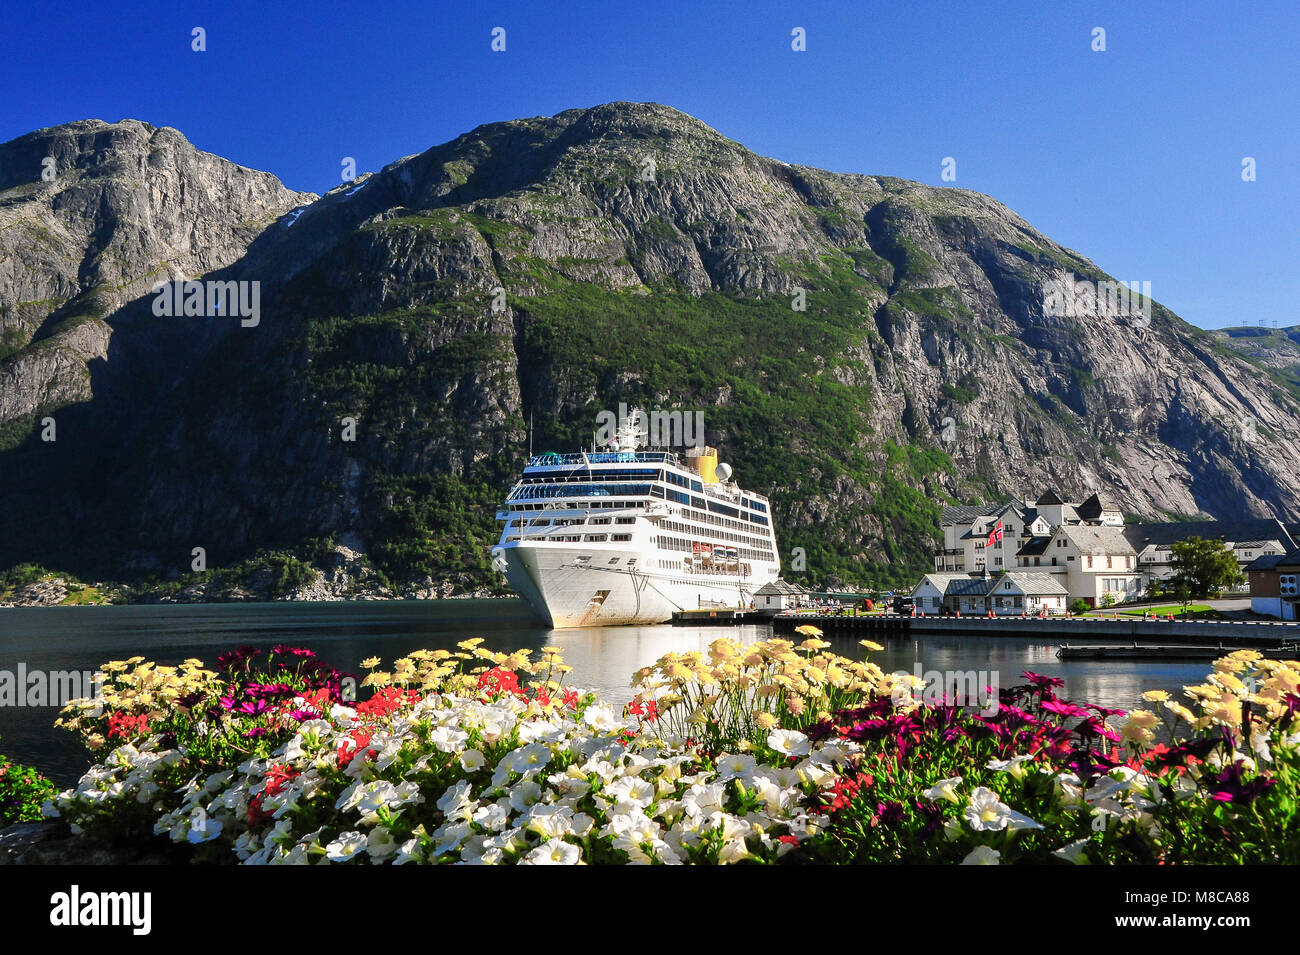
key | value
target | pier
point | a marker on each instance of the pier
(719, 617)
(1230, 633)
(1151, 652)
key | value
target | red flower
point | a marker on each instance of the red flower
(499, 680)
(127, 727)
(277, 777)
(348, 751)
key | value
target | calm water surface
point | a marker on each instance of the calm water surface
(603, 658)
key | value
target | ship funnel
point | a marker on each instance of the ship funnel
(704, 462)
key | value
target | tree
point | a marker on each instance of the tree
(1204, 566)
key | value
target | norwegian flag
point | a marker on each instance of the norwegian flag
(994, 535)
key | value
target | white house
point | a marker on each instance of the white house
(779, 595)
(1029, 594)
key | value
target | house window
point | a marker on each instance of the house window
(997, 561)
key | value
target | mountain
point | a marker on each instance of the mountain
(1277, 349)
(547, 269)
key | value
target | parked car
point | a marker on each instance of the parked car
(904, 605)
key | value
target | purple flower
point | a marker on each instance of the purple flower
(1042, 682)
(1228, 786)
(890, 813)
(1062, 708)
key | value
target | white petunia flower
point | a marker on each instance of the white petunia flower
(526, 759)
(381, 845)
(553, 852)
(739, 765)
(944, 789)
(982, 855)
(789, 743)
(987, 812)
(448, 739)
(347, 845)
(1073, 852)
(458, 802)
(203, 828)
(524, 794)
(601, 718)
(1014, 766)
(472, 760)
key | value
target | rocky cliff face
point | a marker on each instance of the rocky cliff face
(863, 349)
(92, 214)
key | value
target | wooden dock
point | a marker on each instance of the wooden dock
(1229, 634)
(719, 617)
(1148, 651)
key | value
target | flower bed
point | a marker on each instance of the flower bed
(773, 752)
(23, 791)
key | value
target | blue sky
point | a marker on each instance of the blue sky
(1132, 156)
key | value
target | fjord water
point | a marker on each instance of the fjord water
(344, 634)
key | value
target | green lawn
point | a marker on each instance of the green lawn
(1165, 609)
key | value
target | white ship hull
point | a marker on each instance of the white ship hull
(565, 593)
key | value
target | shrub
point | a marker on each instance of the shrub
(769, 752)
(22, 792)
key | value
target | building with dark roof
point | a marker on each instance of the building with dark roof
(1248, 539)
(1275, 585)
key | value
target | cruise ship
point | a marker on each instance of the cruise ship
(629, 535)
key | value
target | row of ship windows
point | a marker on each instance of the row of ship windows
(570, 521)
(579, 538)
(583, 506)
(671, 525)
(526, 490)
(710, 532)
(678, 543)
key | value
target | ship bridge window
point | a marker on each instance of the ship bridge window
(615, 560)
(625, 520)
(578, 490)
